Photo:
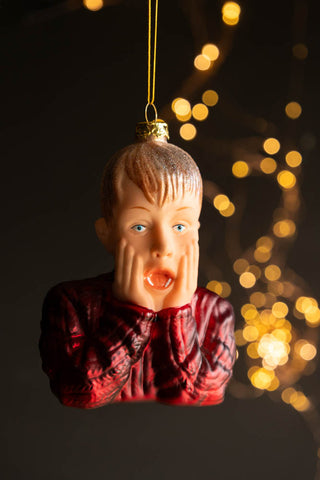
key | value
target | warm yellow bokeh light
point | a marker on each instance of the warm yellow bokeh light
(258, 299)
(226, 289)
(300, 51)
(272, 350)
(250, 333)
(308, 351)
(188, 131)
(247, 279)
(221, 202)
(210, 98)
(268, 165)
(293, 158)
(215, 287)
(181, 106)
(211, 51)
(249, 311)
(230, 13)
(313, 317)
(262, 378)
(93, 5)
(275, 383)
(252, 350)
(293, 110)
(306, 304)
(262, 254)
(287, 394)
(284, 228)
(271, 146)
(280, 310)
(272, 272)
(286, 179)
(200, 112)
(300, 402)
(227, 212)
(202, 62)
(240, 265)
(240, 169)
(265, 242)
(183, 118)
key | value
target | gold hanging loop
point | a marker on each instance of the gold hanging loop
(151, 90)
(155, 113)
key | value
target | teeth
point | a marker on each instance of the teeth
(150, 282)
(168, 282)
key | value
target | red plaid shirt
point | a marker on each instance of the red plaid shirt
(97, 350)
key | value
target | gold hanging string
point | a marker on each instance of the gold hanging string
(151, 91)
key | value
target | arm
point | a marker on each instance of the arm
(87, 367)
(197, 374)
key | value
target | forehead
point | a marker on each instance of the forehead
(130, 195)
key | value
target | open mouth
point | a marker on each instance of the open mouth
(159, 279)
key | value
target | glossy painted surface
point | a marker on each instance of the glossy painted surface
(98, 350)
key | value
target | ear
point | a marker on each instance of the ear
(104, 234)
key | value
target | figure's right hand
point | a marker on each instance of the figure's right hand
(128, 285)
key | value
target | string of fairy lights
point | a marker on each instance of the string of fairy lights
(278, 335)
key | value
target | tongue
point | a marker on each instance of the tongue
(159, 280)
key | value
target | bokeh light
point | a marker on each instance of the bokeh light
(188, 131)
(240, 265)
(247, 280)
(286, 179)
(293, 158)
(258, 299)
(284, 228)
(210, 98)
(211, 51)
(229, 211)
(272, 272)
(181, 106)
(262, 254)
(230, 13)
(221, 202)
(200, 112)
(293, 110)
(280, 309)
(240, 169)
(268, 165)
(300, 51)
(271, 146)
(202, 62)
(93, 5)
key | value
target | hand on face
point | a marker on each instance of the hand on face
(185, 283)
(128, 285)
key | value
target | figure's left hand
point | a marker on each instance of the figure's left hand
(185, 283)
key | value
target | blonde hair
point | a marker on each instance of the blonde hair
(161, 170)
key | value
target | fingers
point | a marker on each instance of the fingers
(127, 268)
(193, 262)
(119, 261)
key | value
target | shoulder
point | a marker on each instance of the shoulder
(83, 290)
(209, 304)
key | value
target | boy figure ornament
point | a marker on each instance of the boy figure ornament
(145, 331)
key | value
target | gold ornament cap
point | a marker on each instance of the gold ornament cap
(156, 128)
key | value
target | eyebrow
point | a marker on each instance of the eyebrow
(184, 208)
(143, 208)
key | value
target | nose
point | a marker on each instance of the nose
(161, 245)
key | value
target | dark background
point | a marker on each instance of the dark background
(73, 86)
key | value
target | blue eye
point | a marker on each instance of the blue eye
(138, 228)
(179, 227)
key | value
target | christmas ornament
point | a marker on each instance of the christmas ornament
(144, 331)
